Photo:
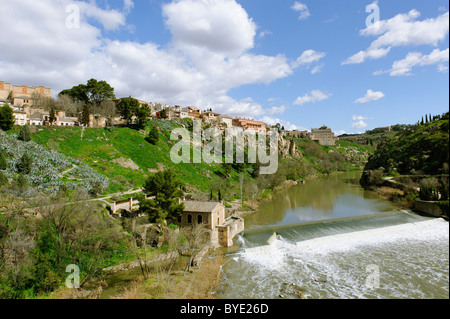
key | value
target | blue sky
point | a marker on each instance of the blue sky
(301, 63)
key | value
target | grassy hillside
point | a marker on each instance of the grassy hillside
(421, 149)
(124, 156)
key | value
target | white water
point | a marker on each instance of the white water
(408, 260)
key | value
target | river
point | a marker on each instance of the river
(331, 239)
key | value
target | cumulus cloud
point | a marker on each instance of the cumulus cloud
(402, 30)
(370, 97)
(218, 25)
(359, 124)
(287, 125)
(404, 67)
(313, 97)
(208, 55)
(302, 9)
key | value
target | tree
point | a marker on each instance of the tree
(25, 134)
(165, 187)
(22, 182)
(219, 195)
(86, 116)
(25, 164)
(163, 114)
(142, 113)
(52, 117)
(127, 108)
(93, 93)
(3, 163)
(7, 119)
(153, 136)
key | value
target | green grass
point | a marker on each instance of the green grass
(99, 147)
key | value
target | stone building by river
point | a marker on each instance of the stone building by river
(212, 216)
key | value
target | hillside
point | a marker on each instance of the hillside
(125, 158)
(421, 149)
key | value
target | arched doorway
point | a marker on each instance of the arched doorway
(200, 219)
(189, 219)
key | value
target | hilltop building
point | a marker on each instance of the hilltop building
(20, 95)
(323, 135)
(247, 124)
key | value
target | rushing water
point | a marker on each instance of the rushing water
(331, 239)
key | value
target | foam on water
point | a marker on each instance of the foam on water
(412, 258)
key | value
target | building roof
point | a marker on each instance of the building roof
(200, 207)
(36, 116)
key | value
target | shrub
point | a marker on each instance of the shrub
(24, 165)
(153, 136)
(25, 134)
(3, 179)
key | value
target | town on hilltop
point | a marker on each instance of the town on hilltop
(22, 99)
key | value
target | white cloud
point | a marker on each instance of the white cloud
(302, 9)
(370, 96)
(313, 97)
(359, 118)
(404, 67)
(317, 69)
(309, 56)
(203, 62)
(402, 30)
(359, 124)
(217, 25)
(287, 125)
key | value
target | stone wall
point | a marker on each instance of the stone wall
(428, 207)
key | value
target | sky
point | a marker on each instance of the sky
(352, 65)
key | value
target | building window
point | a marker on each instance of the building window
(189, 219)
(199, 219)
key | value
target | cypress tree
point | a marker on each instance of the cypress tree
(3, 163)
(24, 165)
(25, 134)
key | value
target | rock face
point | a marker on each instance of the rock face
(288, 147)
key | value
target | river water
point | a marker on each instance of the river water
(331, 239)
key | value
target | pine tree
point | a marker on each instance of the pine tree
(153, 136)
(165, 186)
(219, 195)
(6, 118)
(211, 195)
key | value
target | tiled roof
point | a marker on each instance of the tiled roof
(201, 207)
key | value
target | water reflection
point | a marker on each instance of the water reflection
(334, 196)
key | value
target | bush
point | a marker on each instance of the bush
(24, 165)
(153, 136)
(25, 134)
(3, 179)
